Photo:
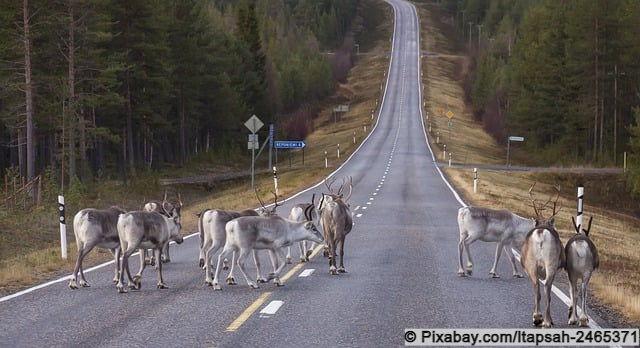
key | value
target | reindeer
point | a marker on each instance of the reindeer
(142, 229)
(95, 228)
(272, 233)
(337, 222)
(581, 262)
(491, 225)
(213, 236)
(302, 212)
(542, 257)
(162, 208)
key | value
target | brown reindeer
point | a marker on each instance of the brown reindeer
(542, 257)
(337, 222)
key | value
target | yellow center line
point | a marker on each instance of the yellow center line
(235, 325)
(247, 312)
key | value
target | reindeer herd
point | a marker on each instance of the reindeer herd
(542, 252)
(240, 233)
(237, 233)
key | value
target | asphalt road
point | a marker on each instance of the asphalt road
(401, 259)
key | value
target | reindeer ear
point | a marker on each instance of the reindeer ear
(308, 225)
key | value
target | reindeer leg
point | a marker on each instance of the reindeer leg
(508, 250)
(124, 265)
(165, 253)
(231, 280)
(461, 271)
(573, 310)
(82, 252)
(242, 256)
(547, 322)
(537, 317)
(256, 259)
(341, 269)
(467, 242)
(136, 282)
(302, 247)
(496, 258)
(211, 250)
(584, 320)
(161, 284)
(221, 257)
(117, 252)
(278, 256)
(289, 259)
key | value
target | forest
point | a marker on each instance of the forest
(565, 75)
(93, 89)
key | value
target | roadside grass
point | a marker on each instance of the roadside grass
(617, 284)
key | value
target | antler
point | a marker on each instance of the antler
(275, 203)
(350, 189)
(533, 201)
(538, 208)
(577, 227)
(328, 184)
(259, 199)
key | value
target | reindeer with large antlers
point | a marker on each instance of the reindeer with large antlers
(337, 222)
(542, 257)
(582, 261)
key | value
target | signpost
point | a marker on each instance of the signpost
(253, 124)
(290, 144)
(509, 140)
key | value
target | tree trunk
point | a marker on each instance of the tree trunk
(72, 96)
(31, 160)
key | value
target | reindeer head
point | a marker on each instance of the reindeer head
(264, 211)
(339, 195)
(539, 208)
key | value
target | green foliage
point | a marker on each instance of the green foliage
(153, 79)
(562, 71)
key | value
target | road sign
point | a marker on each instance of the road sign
(449, 114)
(288, 144)
(253, 143)
(254, 123)
(514, 138)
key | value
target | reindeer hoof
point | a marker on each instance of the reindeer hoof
(162, 286)
(537, 319)
(201, 263)
(518, 275)
(584, 322)
(261, 280)
(121, 289)
(494, 275)
(216, 287)
(253, 286)
(303, 260)
(308, 254)
(462, 274)
(572, 322)
(289, 260)
(342, 270)
(231, 281)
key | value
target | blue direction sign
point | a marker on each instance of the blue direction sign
(288, 144)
